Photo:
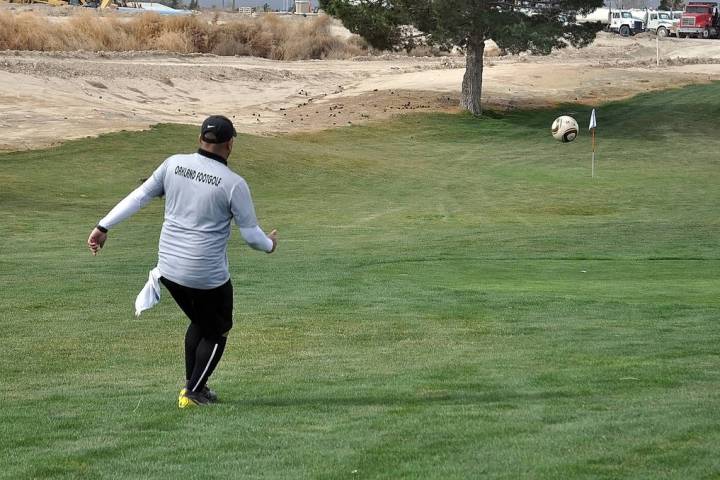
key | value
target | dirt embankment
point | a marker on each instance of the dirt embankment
(47, 98)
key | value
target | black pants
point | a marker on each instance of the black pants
(210, 314)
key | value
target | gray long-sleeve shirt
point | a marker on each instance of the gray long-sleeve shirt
(202, 196)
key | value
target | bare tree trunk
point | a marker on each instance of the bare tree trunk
(472, 81)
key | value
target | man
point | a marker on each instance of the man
(202, 196)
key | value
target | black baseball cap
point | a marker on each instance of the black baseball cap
(217, 129)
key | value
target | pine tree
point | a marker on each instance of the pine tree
(467, 24)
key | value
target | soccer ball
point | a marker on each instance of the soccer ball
(564, 129)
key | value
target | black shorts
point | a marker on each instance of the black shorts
(211, 310)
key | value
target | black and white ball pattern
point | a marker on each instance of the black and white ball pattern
(564, 129)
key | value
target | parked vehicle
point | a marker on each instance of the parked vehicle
(661, 22)
(601, 15)
(700, 19)
(624, 23)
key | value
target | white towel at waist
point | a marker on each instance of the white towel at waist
(149, 296)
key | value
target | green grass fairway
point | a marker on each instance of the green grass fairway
(452, 298)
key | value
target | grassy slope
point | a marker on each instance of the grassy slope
(452, 298)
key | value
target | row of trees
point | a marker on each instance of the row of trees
(467, 24)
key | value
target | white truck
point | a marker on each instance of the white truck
(601, 15)
(662, 23)
(625, 23)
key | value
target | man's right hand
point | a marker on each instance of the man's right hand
(96, 240)
(273, 237)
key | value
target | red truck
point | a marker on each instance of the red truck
(700, 19)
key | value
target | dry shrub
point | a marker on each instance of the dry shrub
(311, 39)
(88, 32)
(26, 31)
(243, 37)
(172, 42)
(261, 44)
(173, 34)
(227, 42)
(147, 27)
(268, 36)
(308, 40)
(191, 27)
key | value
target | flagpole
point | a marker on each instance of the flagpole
(593, 154)
(593, 125)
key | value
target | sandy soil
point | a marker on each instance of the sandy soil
(47, 98)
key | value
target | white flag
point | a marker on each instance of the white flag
(593, 123)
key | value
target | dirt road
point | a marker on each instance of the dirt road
(47, 98)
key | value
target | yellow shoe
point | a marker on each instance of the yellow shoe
(185, 402)
(206, 392)
(181, 403)
(187, 399)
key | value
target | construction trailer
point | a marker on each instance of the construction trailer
(302, 7)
